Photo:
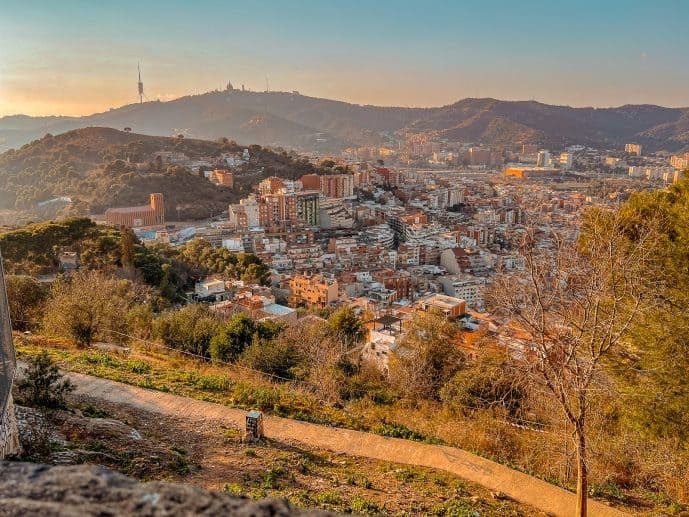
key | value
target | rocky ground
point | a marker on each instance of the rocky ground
(30, 489)
(210, 456)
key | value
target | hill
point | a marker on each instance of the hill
(313, 124)
(100, 167)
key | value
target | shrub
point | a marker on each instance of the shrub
(138, 366)
(189, 329)
(398, 431)
(364, 506)
(44, 386)
(88, 306)
(274, 357)
(25, 296)
(490, 382)
(232, 338)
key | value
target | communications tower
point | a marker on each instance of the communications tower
(141, 85)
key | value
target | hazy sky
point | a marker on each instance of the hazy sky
(77, 57)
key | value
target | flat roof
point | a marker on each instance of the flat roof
(277, 310)
(387, 320)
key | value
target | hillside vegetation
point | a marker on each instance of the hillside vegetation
(209, 453)
(96, 168)
(34, 249)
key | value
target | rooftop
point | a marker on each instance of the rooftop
(129, 209)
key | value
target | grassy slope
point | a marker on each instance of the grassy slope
(157, 369)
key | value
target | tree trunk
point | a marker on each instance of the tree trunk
(582, 472)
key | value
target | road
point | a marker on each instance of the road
(494, 476)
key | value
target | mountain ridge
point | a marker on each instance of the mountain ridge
(291, 120)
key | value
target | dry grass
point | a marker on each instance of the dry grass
(624, 471)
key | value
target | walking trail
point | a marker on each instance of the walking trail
(517, 485)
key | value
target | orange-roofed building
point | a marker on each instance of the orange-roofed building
(136, 216)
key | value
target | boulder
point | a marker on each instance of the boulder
(30, 489)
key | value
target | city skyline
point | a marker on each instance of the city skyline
(77, 58)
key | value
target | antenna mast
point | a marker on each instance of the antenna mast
(141, 85)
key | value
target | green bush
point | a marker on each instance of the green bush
(189, 329)
(43, 386)
(398, 431)
(363, 506)
(274, 357)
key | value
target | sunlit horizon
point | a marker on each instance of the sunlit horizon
(78, 58)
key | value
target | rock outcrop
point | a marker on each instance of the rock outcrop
(30, 489)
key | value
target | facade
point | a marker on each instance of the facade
(531, 172)
(401, 224)
(221, 178)
(680, 161)
(332, 213)
(135, 216)
(337, 185)
(466, 288)
(313, 291)
(276, 209)
(478, 156)
(566, 160)
(462, 260)
(633, 149)
(305, 207)
(543, 159)
(246, 214)
(209, 288)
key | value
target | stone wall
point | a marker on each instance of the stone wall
(8, 424)
(9, 442)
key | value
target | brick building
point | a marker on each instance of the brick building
(135, 216)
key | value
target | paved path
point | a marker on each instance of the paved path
(496, 477)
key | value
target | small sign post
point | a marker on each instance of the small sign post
(254, 426)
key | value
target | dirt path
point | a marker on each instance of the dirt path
(520, 487)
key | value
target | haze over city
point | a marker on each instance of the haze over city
(80, 57)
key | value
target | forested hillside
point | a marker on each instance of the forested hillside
(34, 249)
(97, 168)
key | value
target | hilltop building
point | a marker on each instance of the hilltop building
(221, 178)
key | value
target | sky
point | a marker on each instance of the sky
(75, 57)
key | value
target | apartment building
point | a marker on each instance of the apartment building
(313, 291)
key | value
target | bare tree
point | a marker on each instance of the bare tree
(576, 302)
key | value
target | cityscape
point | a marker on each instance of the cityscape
(338, 258)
